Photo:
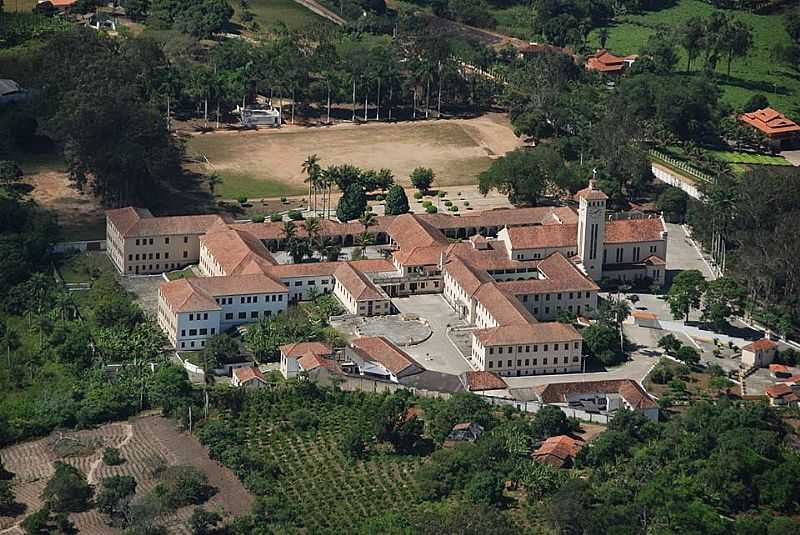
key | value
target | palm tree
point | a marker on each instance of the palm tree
(603, 36)
(289, 230)
(619, 310)
(367, 219)
(312, 169)
(313, 228)
(213, 180)
(11, 341)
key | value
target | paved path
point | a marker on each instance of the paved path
(322, 11)
(437, 353)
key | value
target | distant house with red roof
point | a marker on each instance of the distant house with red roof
(464, 432)
(776, 126)
(783, 394)
(558, 451)
(482, 381)
(759, 354)
(292, 353)
(779, 370)
(605, 62)
(249, 378)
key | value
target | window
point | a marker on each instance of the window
(535, 362)
(570, 295)
(137, 256)
(255, 299)
(191, 317)
(555, 347)
(508, 363)
(575, 358)
(491, 351)
(576, 345)
(267, 313)
(166, 240)
(312, 283)
(166, 256)
(524, 298)
(519, 363)
(547, 297)
(547, 310)
(186, 254)
(242, 315)
(186, 239)
(130, 257)
(150, 241)
(191, 344)
(527, 362)
(536, 297)
(183, 332)
(298, 283)
(203, 331)
(254, 314)
(192, 332)
(652, 248)
(558, 296)
(490, 364)
(158, 256)
(519, 349)
(544, 361)
(535, 348)
(500, 350)
(137, 242)
(545, 348)
(205, 315)
(213, 330)
(183, 344)
(229, 316)
(150, 256)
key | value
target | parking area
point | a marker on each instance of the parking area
(437, 353)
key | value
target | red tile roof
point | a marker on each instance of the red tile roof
(357, 284)
(634, 230)
(591, 193)
(643, 314)
(137, 222)
(237, 251)
(468, 278)
(534, 333)
(298, 349)
(760, 345)
(780, 390)
(381, 350)
(199, 293)
(409, 231)
(630, 390)
(181, 296)
(245, 375)
(540, 237)
(483, 380)
(605, 61)
(558, 450)
(312, 361)
(419, 256)
(779, 368)
(556, 274)
(771, 122)
(494, 257)
(502, 306)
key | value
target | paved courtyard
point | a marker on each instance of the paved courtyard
(145, 290)
(437, 353)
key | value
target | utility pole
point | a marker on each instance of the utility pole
(354, 98)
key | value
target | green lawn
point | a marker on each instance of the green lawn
(19, 5)
(79, 267)
(749, 158)
(237, 185)
(288, 12)
(185, 273)
(756, 73)
(515, 21)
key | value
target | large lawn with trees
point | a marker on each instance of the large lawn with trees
(758, 72)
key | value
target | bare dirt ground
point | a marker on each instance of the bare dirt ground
(457, 149)
(81, 216)
(145, 443)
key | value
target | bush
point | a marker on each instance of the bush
(426, 203)
(276, 217)
(182, 485)
(303, 420)
(422, 178)
(379, 197)
(67, 491)
(111, 457)
(418, 195)
(295, 215)
(448, 203)
(242, 200)
(688, 355)
(353, 444)
(466, 203)
(441, 194)
(431, 209)
(284, 200)
(661, 374)
(453, 208)
(257, 219)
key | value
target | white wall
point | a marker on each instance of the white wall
(548, 306)
(260, 306)
(193, 333)
(528, 359)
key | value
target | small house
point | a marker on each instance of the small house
(558, 451)
(781, 131)
(779, 371)
(642, 318)
(291, 353)
(783, 395)
(759, 354)
(248, 378)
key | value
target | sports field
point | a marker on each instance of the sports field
(270, 12)
(268, 162)
(757, 73)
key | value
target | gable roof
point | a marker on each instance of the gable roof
(541, 236)
(559, 449)
(312, 361)
(384, 352)
(476, 381)
(237, 251)
(409, 231)
(502, 306)
(181, 296)
(605, 61)
(771, 122)
(630, 390)
(779, 390)
(534, 333)
(197, 294)
(298, 349)
(137, 222)
(357, 284)
(468, 278)
(634, 230)
(245, 375)
(556, 274)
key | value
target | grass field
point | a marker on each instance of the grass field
(313, 469)
(756, 73)
(516, 21)
(19, 5)
(268, 163)
(271, 12)
(749, 158)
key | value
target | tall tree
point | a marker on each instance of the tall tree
(686, 293)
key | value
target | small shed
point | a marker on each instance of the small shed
(248, 378)
(558, 451)
(759, 354)
(465, 432)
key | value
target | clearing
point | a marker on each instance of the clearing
(756, 73)
(268, 163)
(146, 443)
(268, 13)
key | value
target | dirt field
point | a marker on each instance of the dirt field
(268, 162)
(81, 217)
(144, 443)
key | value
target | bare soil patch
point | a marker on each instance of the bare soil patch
(145, 443)
(457, 150)
(80, 216)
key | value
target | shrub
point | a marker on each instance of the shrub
(295, 215)
(353, 444)
(276, 217)
(441, 194)
(303, 420)
(422, 178)
(453, 208)
(67, 490)
(426, 203)
(111, 457)
(417, 195)
(431, 209)
(466, 203)
(242, 200)
(661, 374)
(379, 197)
(182, 485)
(448, 203)
(258, 219)
(284, 200)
